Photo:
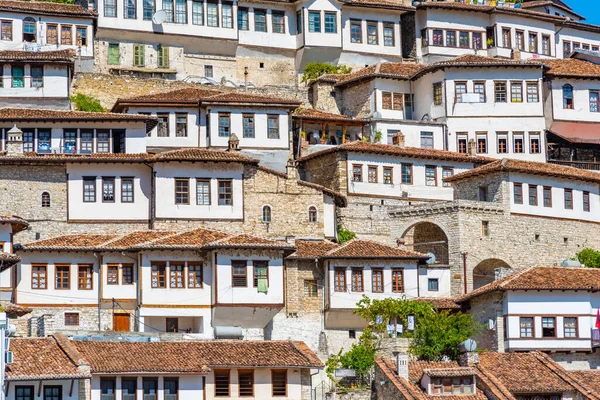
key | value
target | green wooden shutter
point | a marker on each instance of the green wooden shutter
(163, 57)
(113, 54)
(138, 55)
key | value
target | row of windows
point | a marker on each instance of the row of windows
(377, 281)
(455, 385)
(17, 77)
(248, 125)
(279, 380)
(203, 195)
(406, 176)
(501, 94)
(356, 33)
(549, 328)
(75, 140)
(569, 103)
(462, 39)
(139, 55)
(52, 35)
(62, 276)
(267, 214)
(532, 191)
(502, 142)
(177, 271)
(108, 388)
(532, 41)
(108, 189)
(568, 48)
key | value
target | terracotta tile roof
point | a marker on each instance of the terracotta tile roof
(13, 310)
(576, 131)
(311, 249)
(18, 223)
(39, 359)
(57, 56)
(46, 8)
(392, 70)
(408, 390)
(76, 241)
(36, 158)
(250, 242)
(558, 4)
(528, 167)
(341, 200)
(136, 238)
(386, 149)
(328, 78)
(542, 278)
(194, 356)
(571, 68)
(387, 4)
(185, 240)
(312, 113)
(366, 249)
(442, 303)
(8, 259)
(245, 98)
(449, 372)
(471, 60)
(198, 154)
(589, 380)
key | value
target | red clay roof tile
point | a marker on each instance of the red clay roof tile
(367, 249)
(46, 8)
(57, 56)
(572, 68)
(311, 249)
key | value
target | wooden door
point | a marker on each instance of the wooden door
(172, 325)
(121, 322)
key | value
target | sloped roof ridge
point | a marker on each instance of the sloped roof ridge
(493, 286)
(116, 239)
(564, 375)
(499, 390)
(70, 351)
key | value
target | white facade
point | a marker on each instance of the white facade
(194, 133)
(569, 39)
(69, 388)
(583, 106)
(56, 79)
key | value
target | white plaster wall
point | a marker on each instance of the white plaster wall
(381, 17)
(322, 39)
(443, 277)
(6, 237)
(190, 386)
(64, 383)
(120, 291)
(329, 221)
(269, 38)
(388, 85)
(412, 132)
(558, 205)
(117, 210)
(249, 294)
(574, 35)
(423, 89)
(196, 127)
(581, 100)
(55, 82)
(199, 319)
(165, 190)
(262, 385)
(527, 25)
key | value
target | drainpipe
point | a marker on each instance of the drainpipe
(465, 271)
(138, 292)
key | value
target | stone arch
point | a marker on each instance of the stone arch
(427, 237)
(487, 271)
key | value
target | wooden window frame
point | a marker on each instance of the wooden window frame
(506, 44)
(356, 22)
(376, 25)
(535, 49)
(108, 180)
(280, 14)
(395, 289)
(530, 84)
(385, 104)
(276, 371)
(207, 182)
(554, 324)
(84, 267)
(576, 328)
(513, 97)
(532, 327)
(170, 396)
(535, 136)
(483, 193)
(484, 93)
(377, 272)
(149, 379)
(402, 174)
(354, 167)
(583, 197)
(273, 117)
(500, 136)
(178, 124)
(253, 125)
(108, 268)
(313, 214)
(457, 94)
(438, 93)
(516, 137)
(371, 168)
(478, 136)
(485, 229)
(219, 182)
(223, 372)
(62, 277)
(391, 175)
(435, 178)
(134, 380)
(520, 186)
(112, 386)
(123, 268)
(59, 387)
(597, 102)
(311, 288)
(529, 197)
(462, 136)
(239, 263)
(337, 285)
(178, 274)
(498, 85)
(68, 318)
(547, 189)
(161, 266)
(132, 181)
(445, 169)
(89, 179)
(570, 198)
(358, 272)
(45, 269)
(386, 27)
(254, 276)
(48, 26)
(549, 48)
(180, 192)
(246, 372)
(192, 275)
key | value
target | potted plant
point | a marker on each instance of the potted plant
(490, 43)
(323, 138)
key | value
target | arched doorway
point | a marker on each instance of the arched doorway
(487, 271)
(427, 237)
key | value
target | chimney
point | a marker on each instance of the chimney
(291, 169)
(515, 54)
(398, 139)
(472, 148)
(14, 142)
(402, 365)
(233, 143)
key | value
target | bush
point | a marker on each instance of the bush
(314, 70)
(589, 257)
(86, 103)
(344, 235)
(360, 358)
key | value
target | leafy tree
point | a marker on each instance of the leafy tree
(360, 358)
(344, 235)
(589, 257)
(441, 333)
(86, 103)
(314, 70)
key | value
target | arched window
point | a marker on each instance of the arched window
(266, 214)
(29, 29)
(312, 214)
(45, 199)
(567, 96)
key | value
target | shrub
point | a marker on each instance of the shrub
(86, 103)
(589, 257)
(314, 70)
(344, 235)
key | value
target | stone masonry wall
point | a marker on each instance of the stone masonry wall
(322, 98)
(297, 272)
(328, 171)
(484, 308)
(357, 100)
(498, 190)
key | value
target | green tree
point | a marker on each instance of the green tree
(314, 70)
(86, 103)
(589, 257)
(344, 235)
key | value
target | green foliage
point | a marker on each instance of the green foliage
(86, 103)
(441, 334)
(589, 257)
(360, 358)
(314, 70)
(378, 136)
(344, 235)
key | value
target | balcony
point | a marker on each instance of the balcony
(595, 338)
(587, 165)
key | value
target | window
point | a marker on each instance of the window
(224, 125)
(311, 288)
(438, 37)
(481, 143)
(479, 88)
(273, 126)
(176, 278)
(38, 276)
(72, 319)
(62, 277)
(226, 15)
(372, 33)
(45, 199)
(377, 280)
(502, 143)
(566, 48)
(278, 18)
(312, 214)
(567, 97)
(84, 277)
(532, 92)
(406, 174)
(427, 140)
(89, 190)
(112, 275)
(339, 279)
(203, 192)
(450, 38)
(477, 40)
(433, 285)
(17, 76)
(81, 35)
(266, 214)
(221, 383)
(108, 190)
(534, 142)
(126, 190)
(158, 274)
(150, 387)
(568, 199)
(357, 173)
(208, 71)
(113, 54)
(455, 385)
(69, 140)
(463, 40)
(533, 195)
(516, 92)
(260, 272)
(129, 9)
(430, 175)
(24, 393)
(52, 392)
(52, 34)
(163, 125)
(127, 274)
(195, 275)
(424, 37)
(389, 39)
(372, 174)
(519, 142)
(246, 383)
(28, 139)
(548, 327)
(87, 141)
(570, 326)
(357, 280)
(29, 30)
(243, 24)
(212, 14)
(355, 31)
(182, 191)
(148, 12)
(298, 22)
(239, 276)
(314, 21)
(6, 30)
(517, 193)
(198, 14)
(545, 45)
(460, 88)
(506, 42)
(500, 92)
(447, 172)
(138, 55)
(586, 201)
(225, 192)
(388, 175)
(330, 22)
(279, 383)
(533, 45)
(594, 100)
(437, 93)
(520, 38)
(547, 192)
(110, 8)
(397, 281)
(485, 228)
(483, 193)
(163, 57)
(462, 143)
(181, 125)
(171, 387)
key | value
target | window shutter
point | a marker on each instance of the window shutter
(398, 101)
(386, 98)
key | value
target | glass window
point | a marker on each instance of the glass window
(533, 45)
(460, 88)
(37, 76)
(372, 174)
(176, 279)
(330, 22)
(38, 276)
(182, 191)
(43, 141)
(81, 33)
(243, 24)
(566, 48)
(314, 21)
(567, 97)
(339, 279)
(548, 327)
(113, 54)
(477, 40)
(181, 125)
(45, 199)
(312, 214)
(167, 6)
(430, 175)
(532, 92)
(248, 125)
(594, 101)
(148, 13)
(388, 35)
(479, 87)
(503, 143)
(406, 176)
(221, 383)
(516, 92)
(110, 8)
(107, 386)
(224, 125)
(534, 143)
(433, 284)
(17, 76)
(225, 192)
(397, 281)
(195, 275)
(586, 201)
(451, 38)
(239, 277)
(355, 31)
(203, 192)
(108, 190)
(570, 325)
(437, 93)
(129, 9)
(273, 126)
(52, 392)
(520, 38)
(387, 175)
(357, 173)
(260, 20)
(227, 15)
(6, 30)
(482, 143)
(311, 288)
(485, 228)
(260, 272)
(568, 199)
(198, 13)
(519, 142)
(89, 190)
(533, 195)
(150, 387)
(427, 140)
(372, 33)
(357, 280)
(162, 129)
(518, 193)
(127, 275)
(62, 276)
(483, 194)
(24, 393)
(103, 141)
(546, 45)
(278, 18)
(547, 192)
(506, 41)
(298, 22)
(52, 34)
(463, 38)
(438, 37)
(500, 92)
(84, 277)
(158, 275)
(87, 141)
(377, 280)
(447, 172)
(266, 215)
(208, 71)
(212, 14)
(126, 190)
(28, 140)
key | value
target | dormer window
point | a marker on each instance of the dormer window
(29, 29)
(453, 386)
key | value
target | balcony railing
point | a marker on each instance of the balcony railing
(589, 165)
(595, 337)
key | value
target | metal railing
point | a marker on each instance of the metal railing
(588, 165)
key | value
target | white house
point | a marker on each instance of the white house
(9, 226)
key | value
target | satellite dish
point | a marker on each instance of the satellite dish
(468, 345)
(159, 17)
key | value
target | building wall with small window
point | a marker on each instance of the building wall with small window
(371, 31)
(313, 23)
(167, 387)
(575, 100)
(430, 99)
(273, 26)
(537, 40)
(34, 80)
(183, 127)
(569, 40)
(391, 98)
(434, 281)
(59, 389)
(108, 192)
(268, 384)
(427, 135)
